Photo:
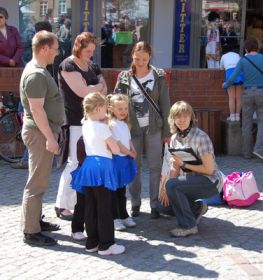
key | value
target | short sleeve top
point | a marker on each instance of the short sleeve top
(95, 134)
(36, 82)
(120, 132)
(73, 102)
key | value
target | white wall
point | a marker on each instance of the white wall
(162, 28)
(12, 8)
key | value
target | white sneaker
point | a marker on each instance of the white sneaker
(258, 155)
(118, 225)
(231, 119)
(92, 250)
(128, 222)
(113, 250)
(78, 236)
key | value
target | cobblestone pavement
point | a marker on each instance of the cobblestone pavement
(229, 244)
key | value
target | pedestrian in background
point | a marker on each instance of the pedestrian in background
(251, 65)
(228, 62)
(11, 47)
(149, 129)
(44, 115)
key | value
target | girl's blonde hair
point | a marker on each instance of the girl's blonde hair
(177, 109)
(112, 99)
(92, 101)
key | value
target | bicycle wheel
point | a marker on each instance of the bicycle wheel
(11, 143)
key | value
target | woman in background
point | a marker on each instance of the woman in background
(11, 47)
(228, 62)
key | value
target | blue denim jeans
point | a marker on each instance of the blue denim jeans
(183, 193)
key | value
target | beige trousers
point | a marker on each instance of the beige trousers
(40, 165)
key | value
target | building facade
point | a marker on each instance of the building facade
(180, 31)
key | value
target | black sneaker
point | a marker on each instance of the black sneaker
(38, 239)
(135, 212)
(154, 213)
(46, 226)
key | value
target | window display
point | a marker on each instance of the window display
(125, 22)
(221, 28)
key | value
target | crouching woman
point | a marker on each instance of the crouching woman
(189, 182)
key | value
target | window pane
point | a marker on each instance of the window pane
(125, 22)
(221, 29)
(57, 12)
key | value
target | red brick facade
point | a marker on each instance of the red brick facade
(202, 88)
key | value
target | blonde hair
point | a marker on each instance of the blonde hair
(41, 39)
(92, 101)
(177, 109)
(112, 99)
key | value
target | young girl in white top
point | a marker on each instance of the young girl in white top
(96, 178)
(124, 163)
(228, 62)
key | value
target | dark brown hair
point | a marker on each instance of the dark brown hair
(82, 41)
(251, 44)
(141, 46)
(4, 12)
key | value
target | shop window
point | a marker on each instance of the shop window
(58, 15)
(220, 30)
(125, 22)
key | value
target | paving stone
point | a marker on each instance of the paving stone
(229, 244)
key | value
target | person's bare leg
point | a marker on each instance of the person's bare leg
(231, 102)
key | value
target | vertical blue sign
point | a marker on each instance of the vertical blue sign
(182, 31)
(86, 12)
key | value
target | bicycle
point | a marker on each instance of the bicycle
(11, 143)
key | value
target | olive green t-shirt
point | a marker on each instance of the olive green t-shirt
(36, 82)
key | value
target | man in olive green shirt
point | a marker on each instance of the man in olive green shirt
(43, 117)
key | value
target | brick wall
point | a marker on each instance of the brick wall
(9, 79)
(202, 88)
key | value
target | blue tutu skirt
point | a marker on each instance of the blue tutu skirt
(240, 78)
(95, 171)
(125, 168)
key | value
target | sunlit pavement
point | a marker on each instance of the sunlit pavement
(229, 244)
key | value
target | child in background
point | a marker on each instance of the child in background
(228, 62)
(96, 178)
(124, 163)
